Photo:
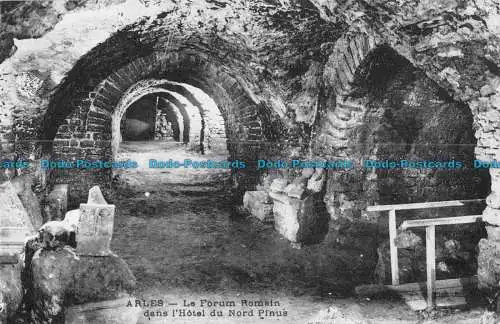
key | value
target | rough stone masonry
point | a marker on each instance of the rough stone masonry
(291, 78)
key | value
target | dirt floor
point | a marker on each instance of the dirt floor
(185, 240)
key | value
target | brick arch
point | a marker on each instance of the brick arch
(211, 117)
(140, 90)
(86, 130)
(349, 55)
(198, 138)
(202, 128)
(193, 121)
(341, 129)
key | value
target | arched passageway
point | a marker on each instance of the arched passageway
(99, 136)
(243, 80)
(390, 113)
(150, 135)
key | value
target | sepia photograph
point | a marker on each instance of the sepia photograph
(250, 161)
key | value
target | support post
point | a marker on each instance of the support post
(393, 248)
(430, 247)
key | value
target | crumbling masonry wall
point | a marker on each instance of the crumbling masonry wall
(283, 73)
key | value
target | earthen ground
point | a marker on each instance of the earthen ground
(187, 240)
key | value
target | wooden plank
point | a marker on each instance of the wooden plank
(393, 248)
(430, 247)
(441, 221)
(425, 205)
(446, 286)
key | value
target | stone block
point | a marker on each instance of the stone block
(491, 216)
(109, 311)
(72, 218)
(96, 197)
(296, 190)
(56, 203)
(317, 181)
(493, 233)
(15, 223)
(259, 204)
(95, 229)
(278, 185)
(294, 218)
(493, 200)
(22, 186)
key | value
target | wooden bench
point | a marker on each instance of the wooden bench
(430, 227)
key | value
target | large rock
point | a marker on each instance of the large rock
(57, 234)
(11, 290)
(296, 219)
(259, 204)
(61, 278)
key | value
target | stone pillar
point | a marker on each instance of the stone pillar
(15, 226)
(489, 248)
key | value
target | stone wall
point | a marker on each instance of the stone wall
(198, 32)
(456, 45)
(282, 73)
(406, 116)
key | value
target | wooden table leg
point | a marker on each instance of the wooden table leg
(393, 248)
(430, 247)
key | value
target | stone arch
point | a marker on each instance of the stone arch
(85, 130)
(348, 193)
(350, 62)
(191, 116)
(349, 54)
(179, 109)
(210, 120)
(199, 137)
(138, 91)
